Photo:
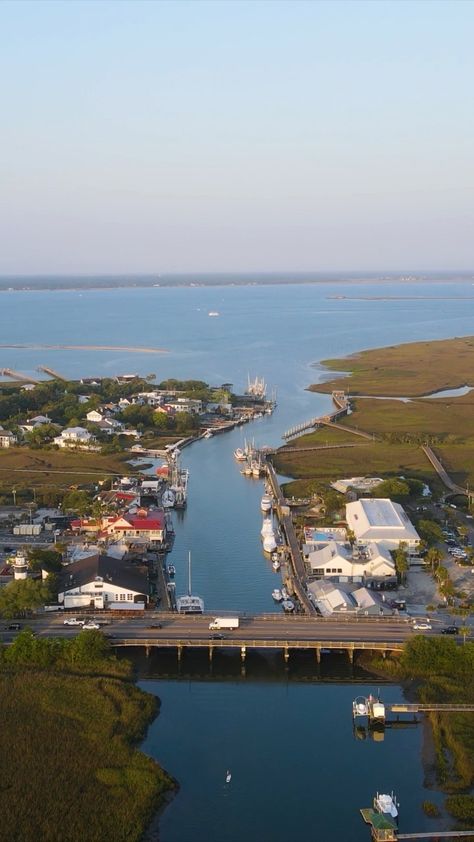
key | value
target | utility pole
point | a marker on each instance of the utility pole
(14, 496)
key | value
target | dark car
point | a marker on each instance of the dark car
(156, 626)
(14, 626)
(216, 636)
(450, 630)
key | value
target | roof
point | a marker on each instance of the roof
(112, 570)
(380, 519)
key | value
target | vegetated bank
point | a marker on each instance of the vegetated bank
(437, 669)
(71, 718)
(399, 428)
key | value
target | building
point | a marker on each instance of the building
(75, 437)
(371, 564)
(331, 599)
(144, 527)
(101, 581)
(7, 438)
(382, 521)
(362, 485)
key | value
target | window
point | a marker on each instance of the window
(130, 596)
(121, 596)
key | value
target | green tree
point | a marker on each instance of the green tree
(49, 560)
(394, 488)
(23, 595)
(401, 562)
(76, 501)
(434, 557)
(430, 531)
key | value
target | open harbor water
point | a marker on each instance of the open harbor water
(297, 770)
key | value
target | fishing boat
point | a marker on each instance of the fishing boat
(267, 527)
(189, 603)
(240, 454)
(266, 503)
(247, 471)
(269, 543)
(256, 388)
(386, 804)
(277, 595)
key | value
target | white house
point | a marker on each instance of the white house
(37, 421)
(95, 416)
(331, 599)
(342, 563)
(7, 438)
(75, 437)
(101, 581)
(382, 521)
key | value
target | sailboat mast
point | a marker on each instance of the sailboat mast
(189, 574)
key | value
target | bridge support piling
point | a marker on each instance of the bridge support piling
(243, 653)
(147, 651)
(179, 650)
(350, 652)
(318, 654)
(286, 654)
(211, 652)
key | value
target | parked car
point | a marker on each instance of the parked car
(90, 625)
(421, 626)
(74, 621)
(450, 630)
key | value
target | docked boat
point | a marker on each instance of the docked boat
(256, 388)
(269, 543)
(258, 469)
(266, 503)
(171, 570)
(208, 434)
(189, 603)
(267, 527)
(275, 564)
(288, 605)
(168, 499)
(285, 593)
(386, 804)
(240, 454)
(277, 595)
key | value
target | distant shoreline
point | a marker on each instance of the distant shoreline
(34, 346)
(74, 283)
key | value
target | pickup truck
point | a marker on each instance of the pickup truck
(74, 621)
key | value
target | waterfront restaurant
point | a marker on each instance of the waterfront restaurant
(381, 520)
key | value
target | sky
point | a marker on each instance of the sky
(236, 136)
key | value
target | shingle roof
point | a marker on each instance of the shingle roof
(111, 570)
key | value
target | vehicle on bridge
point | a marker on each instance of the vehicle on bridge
(228, 623)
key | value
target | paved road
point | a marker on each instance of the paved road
(275, 628)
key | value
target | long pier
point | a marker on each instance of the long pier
(342, 407)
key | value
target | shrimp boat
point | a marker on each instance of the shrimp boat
(256, 388)
(189, 603)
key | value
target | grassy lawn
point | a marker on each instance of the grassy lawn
(67, 761)
(21, 467)
(369, 459)
(416, 368)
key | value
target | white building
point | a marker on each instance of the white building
(382, 521)
(7, 438)
(75, 437)
(342, 563)
(101, 581)
(330, 599)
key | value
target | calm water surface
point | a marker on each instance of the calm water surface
(297, 770)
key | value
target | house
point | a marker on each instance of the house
(380, 520)
(37, 421)
(75, 437)
(7, 438)
(102, 581)
(144, 527)
(95, 416)
(369, 563)
(330, 599)
(190, 405)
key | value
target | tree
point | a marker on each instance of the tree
(430, 531)
(401, 562)
(434, 557)
(23, 595)
(76, 501)
(394, 488)
(48, 560)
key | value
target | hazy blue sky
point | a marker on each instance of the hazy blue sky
(211, 136)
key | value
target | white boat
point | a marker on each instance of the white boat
(228, 776)
(266, 503)
(171, 570)
(168, 499)
(386, 804)
(288, 605)
(240, 454)
(208, 434)
(275, 564)
(267, 527)
(256, 388)
(285, 593)
(277, 595)
(190, 604)
(213, 313)
(269, 543)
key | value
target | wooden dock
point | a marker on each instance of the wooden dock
(342, 407)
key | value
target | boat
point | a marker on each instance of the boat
(257, 468)
(285, 593)
(247, 471)
(240, 454)
(228, 776)
(266, 503)
(189, 603)
(277, 595)
(256, 388)
(213, 313)
(208, 434)
(386, 804)
(267, 527)
(171, 570)
(269, 543)
(275, 564)
(288, 605)
(168, 499)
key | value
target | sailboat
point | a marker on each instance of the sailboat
(190, 604)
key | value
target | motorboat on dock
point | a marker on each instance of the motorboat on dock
(277, 595)
(288, 606)
(266, 503)
(269, 543)
(240, 454)
(275, 563)
(171, 570)
(386, 804)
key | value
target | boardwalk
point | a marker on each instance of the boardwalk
(443, 475)
(342, 406)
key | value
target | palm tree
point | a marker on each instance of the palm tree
(433, 557)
